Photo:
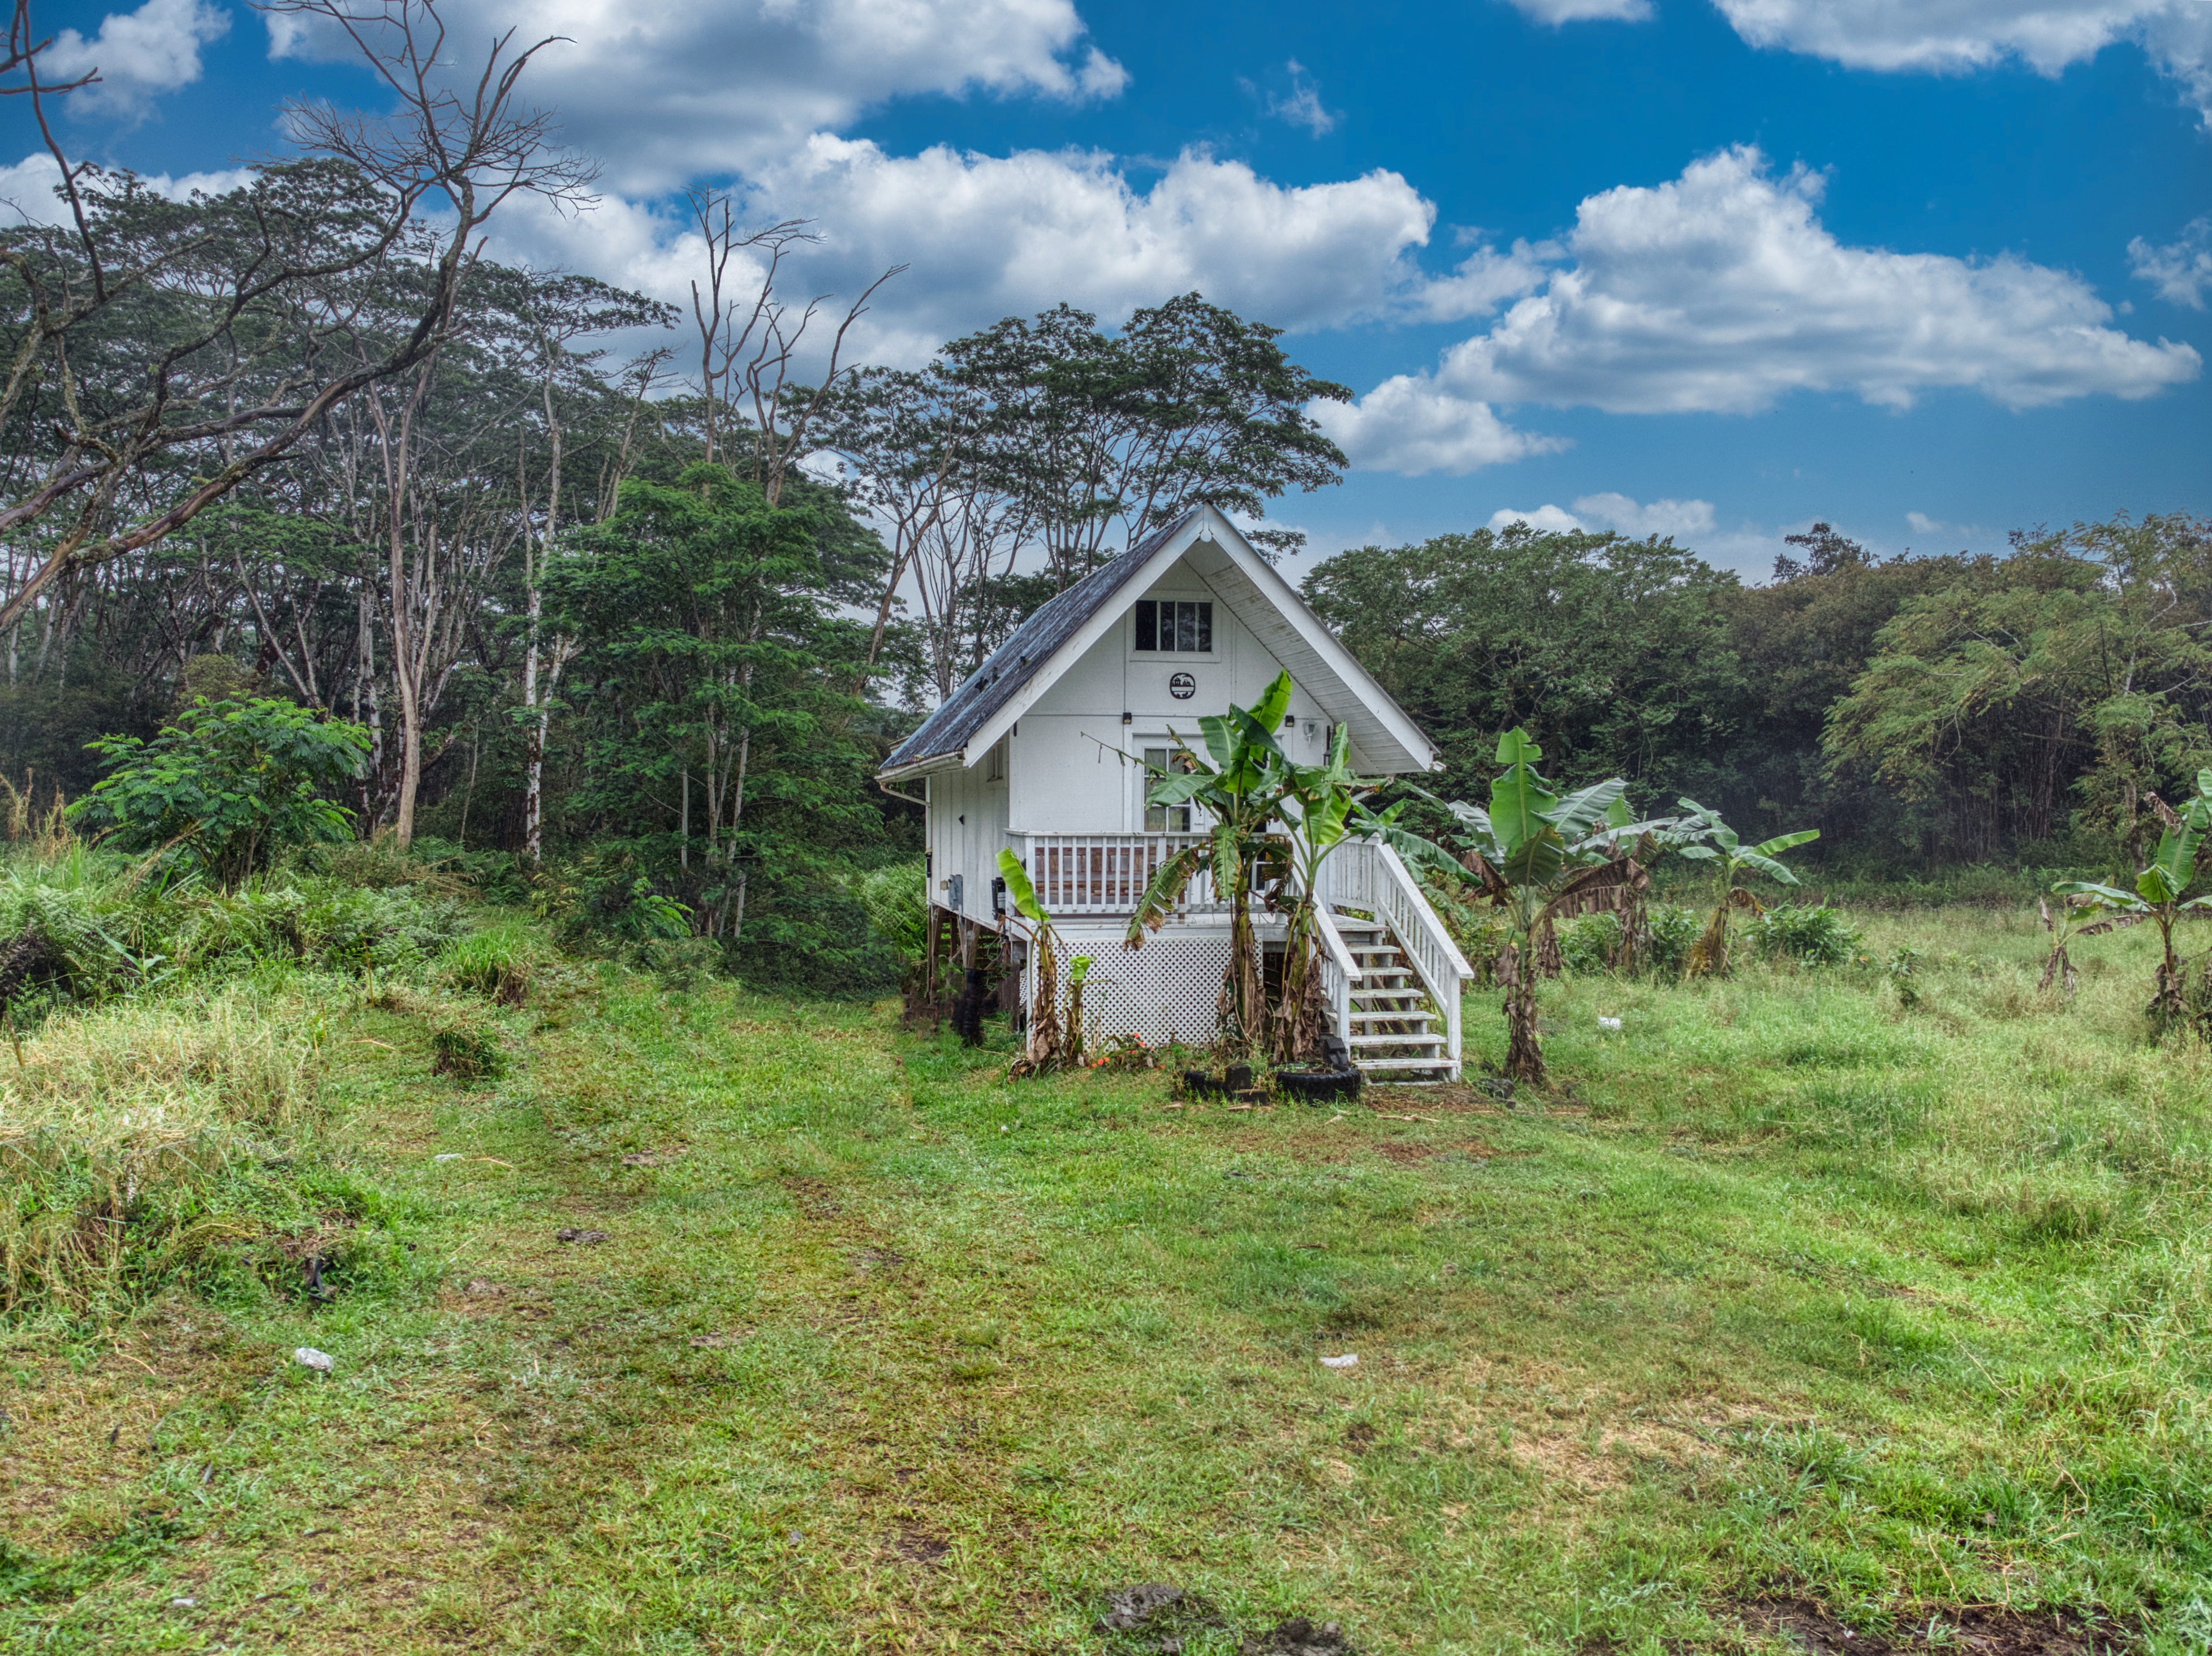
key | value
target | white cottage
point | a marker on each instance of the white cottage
(1043, 749)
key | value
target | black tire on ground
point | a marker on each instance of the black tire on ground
(1319, 1086)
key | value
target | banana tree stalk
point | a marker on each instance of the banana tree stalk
(1533, 854)
(1317, 802)
(1732, 862)
(1044, 1033)
(2158, 897)
(1238, 784)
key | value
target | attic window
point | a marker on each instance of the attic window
(1179, 625)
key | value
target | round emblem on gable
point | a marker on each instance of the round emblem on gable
(1183, 687)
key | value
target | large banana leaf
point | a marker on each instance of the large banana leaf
(1768, 866)
(1163, 895)
(1587, 805)
(1781, 842)
(1521, 807)
(1724, 835)
(1021, 890)
(2107, 896)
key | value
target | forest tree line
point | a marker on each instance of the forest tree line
(639, 594)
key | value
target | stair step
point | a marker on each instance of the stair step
(1440, 1062)
(1388, 1016)
(1396, 1041)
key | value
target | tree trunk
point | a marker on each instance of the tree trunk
(1524, 1047)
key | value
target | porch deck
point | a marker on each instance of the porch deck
(1383, 945)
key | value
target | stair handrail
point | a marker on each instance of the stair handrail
(1332, 940)
(1416, 900)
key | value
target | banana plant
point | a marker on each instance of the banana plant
(1647, 842)
(1238, 784)
(1733, 861)
(1045, 1036)
(1317, 804)
(1533, 856)
(2158, 897)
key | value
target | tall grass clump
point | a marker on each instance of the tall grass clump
(497, 962)
(139, 1137)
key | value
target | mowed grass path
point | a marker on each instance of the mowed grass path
(1783, 1290)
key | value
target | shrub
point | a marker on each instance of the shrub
(227, 785)
(1586, 944)
(897, 901)
(680, 963)
(348, 929)
(1670, 934)
(1812, 934)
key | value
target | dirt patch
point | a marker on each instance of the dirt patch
(722, 1341)
(651, 1158)
(813, 1198)
(586, 1238)
(1299, 1637)
(921, 1547)
(1155, 1616)
(1976, 1630)
(1431, 1100)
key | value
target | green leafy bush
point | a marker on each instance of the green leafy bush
(1670, 934)
(897, 901)
(1586, 944)
(226, 786)
(1812, 934)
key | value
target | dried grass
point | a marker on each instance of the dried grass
(126, 1131)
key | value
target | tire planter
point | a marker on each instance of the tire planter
(1204, 1084)
(1319, 1086)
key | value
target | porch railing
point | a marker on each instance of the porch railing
(1367, 875)
(1107, 873)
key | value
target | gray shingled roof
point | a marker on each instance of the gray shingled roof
(1012, 665)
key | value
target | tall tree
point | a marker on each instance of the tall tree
(228, 374)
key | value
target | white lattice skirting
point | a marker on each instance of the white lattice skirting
(1166, 991)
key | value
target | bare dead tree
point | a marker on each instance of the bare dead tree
(749, 343)
(473, 146)
(724, 339)
(469, 149)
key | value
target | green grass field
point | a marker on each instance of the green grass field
(1789, 1312)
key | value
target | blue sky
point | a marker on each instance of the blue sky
(1932, 269)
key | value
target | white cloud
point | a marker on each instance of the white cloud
(1556, 12)
(1410, 425)
(1678, 518)
(1484, 279)
(1721, 292)
(137, 53)
(1593, 513)
(1303, 107)
(1545, 520)
(667, 91)
(990, 235)
(28, 186)
(1955, 36)
(2181, 270)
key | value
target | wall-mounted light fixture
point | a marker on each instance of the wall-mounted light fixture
(1128, 718)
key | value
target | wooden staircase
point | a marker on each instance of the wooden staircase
(1392, 1024)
